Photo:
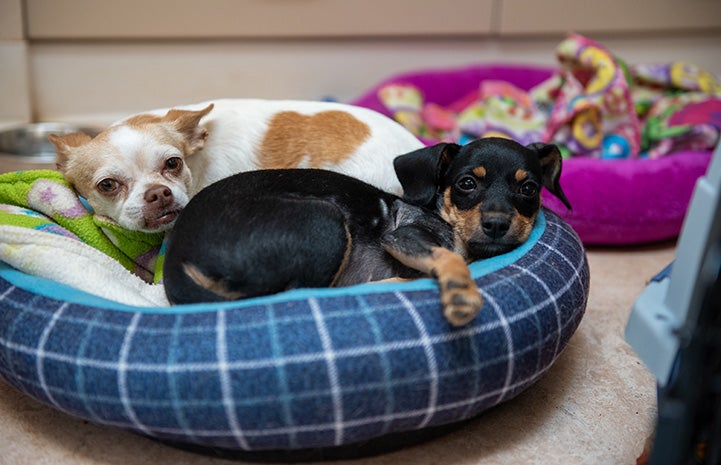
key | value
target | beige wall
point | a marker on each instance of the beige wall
(11, 20)
(93, 61)
(14, 77)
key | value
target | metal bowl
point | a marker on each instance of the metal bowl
(31, 142)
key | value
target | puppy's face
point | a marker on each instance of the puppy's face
(488, 190)
(135, 173)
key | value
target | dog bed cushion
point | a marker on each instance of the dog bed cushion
(630, 199)
(308, 368)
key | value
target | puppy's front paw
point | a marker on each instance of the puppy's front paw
(461, 300)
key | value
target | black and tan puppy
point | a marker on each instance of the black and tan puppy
(264, 232)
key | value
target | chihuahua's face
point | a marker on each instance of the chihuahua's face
(134, 173)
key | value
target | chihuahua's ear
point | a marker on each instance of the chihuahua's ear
(550, 158)
(420, 171)
(64, 143)
(187, 122)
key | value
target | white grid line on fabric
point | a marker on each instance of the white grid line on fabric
(476, 368)
(214, 365)
(202, 330)
(313, 393)
(225, 385)
(510, 277)
(389, 396)
(123, 375)
(556, 310)
(564, 236)
(22, 309)
(7, 292)
(427, 345)
(534, 319)
(176, 404)
(40, 355)
(576, 269)
(510, 363)
(285, 396)
(250, 433)
(329, 357)
(79, 377)
(534, 308)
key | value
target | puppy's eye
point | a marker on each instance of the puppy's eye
(108, 186)
(466, 184)
(528, 189)
(174, 163)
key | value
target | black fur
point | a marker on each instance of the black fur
(268, 231)
(264, 232)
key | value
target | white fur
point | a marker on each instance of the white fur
(135, 156)
(237, 126)
(137, 163)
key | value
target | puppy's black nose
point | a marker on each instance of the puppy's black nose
(495, 227)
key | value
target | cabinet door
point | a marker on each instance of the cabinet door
(593, 16)
(171, 19)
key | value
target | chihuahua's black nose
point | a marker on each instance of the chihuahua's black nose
(495, 226)
(158, 194)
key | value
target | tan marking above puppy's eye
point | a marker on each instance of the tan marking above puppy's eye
(480, 171)
(521, 175)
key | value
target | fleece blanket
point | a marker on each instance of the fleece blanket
(594, 105)
(46, 230)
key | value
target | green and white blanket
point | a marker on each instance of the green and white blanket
(47, 230)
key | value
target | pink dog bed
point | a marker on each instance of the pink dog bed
(620, 201)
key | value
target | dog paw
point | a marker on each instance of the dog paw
(461, 301)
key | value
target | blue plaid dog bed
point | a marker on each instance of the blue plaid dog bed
(309, 368)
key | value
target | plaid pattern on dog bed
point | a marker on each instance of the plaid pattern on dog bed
(303, 369)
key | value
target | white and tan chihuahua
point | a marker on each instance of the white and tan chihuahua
(141, 171)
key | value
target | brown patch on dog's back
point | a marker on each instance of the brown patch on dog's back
(295, 140)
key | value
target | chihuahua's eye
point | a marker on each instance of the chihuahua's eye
(528, 189)
(108, 186)
(173, 164)
(466, 184)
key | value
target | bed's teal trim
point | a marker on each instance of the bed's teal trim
(55, 290)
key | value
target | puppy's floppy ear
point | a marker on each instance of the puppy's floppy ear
(420, 171)
(64, 143)
(550, 158)
(186, 122)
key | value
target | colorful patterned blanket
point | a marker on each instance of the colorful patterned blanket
(593, 105)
